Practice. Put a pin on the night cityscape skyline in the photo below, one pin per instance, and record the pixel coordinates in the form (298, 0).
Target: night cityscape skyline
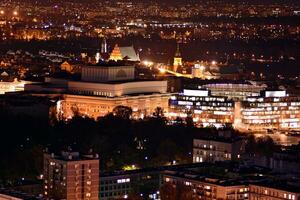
(150, 100)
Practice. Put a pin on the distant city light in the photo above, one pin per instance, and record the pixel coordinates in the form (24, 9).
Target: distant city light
(15, 13)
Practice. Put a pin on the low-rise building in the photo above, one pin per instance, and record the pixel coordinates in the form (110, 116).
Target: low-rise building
(209, 188)
(218, 148)
(274, 190)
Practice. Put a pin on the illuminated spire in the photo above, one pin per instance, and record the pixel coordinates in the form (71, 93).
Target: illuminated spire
(178, 54)
(177, 59)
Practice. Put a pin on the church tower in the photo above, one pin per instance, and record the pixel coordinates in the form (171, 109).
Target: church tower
(177, 59)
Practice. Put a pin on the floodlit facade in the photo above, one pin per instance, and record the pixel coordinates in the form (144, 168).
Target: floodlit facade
(97, 106)
(71, 177)
(206, 110)
(271, 110)
(102, 88)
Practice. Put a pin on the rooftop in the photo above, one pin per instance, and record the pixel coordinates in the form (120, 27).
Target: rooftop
(73, 156)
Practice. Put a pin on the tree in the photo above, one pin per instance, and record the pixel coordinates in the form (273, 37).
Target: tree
(168, 192)
(189, 119)
(123, 112)
(158, 112)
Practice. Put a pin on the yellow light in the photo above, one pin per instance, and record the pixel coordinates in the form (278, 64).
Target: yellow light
(2, 12)
(147, 63)
(130, 167)
(202, 68)
(15, 13)
(213, 62)
(162, 70)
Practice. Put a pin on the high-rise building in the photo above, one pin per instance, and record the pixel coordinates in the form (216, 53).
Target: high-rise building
(71, 176)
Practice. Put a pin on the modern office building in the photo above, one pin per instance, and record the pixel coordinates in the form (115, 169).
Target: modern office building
(234, 91)
(222, 147)
(274, 110)
(71, 176)
(206, 109)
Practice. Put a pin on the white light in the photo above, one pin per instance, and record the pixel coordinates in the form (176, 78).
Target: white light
(275, 94)
(197, 93)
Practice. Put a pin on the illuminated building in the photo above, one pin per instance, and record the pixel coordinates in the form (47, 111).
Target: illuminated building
(235, 91)
(116, 54)
(206, 109)
(206, 187)
(71, 67)
(223, 147)
(273, 190)
(124, 53)
(71, 176)
(102, 88)
(271, 110)
(14, 86)
(177, 59)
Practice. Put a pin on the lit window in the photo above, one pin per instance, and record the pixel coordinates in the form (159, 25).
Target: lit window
(167, 179)
(188, 183)
(88, 194)
(207, 187)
